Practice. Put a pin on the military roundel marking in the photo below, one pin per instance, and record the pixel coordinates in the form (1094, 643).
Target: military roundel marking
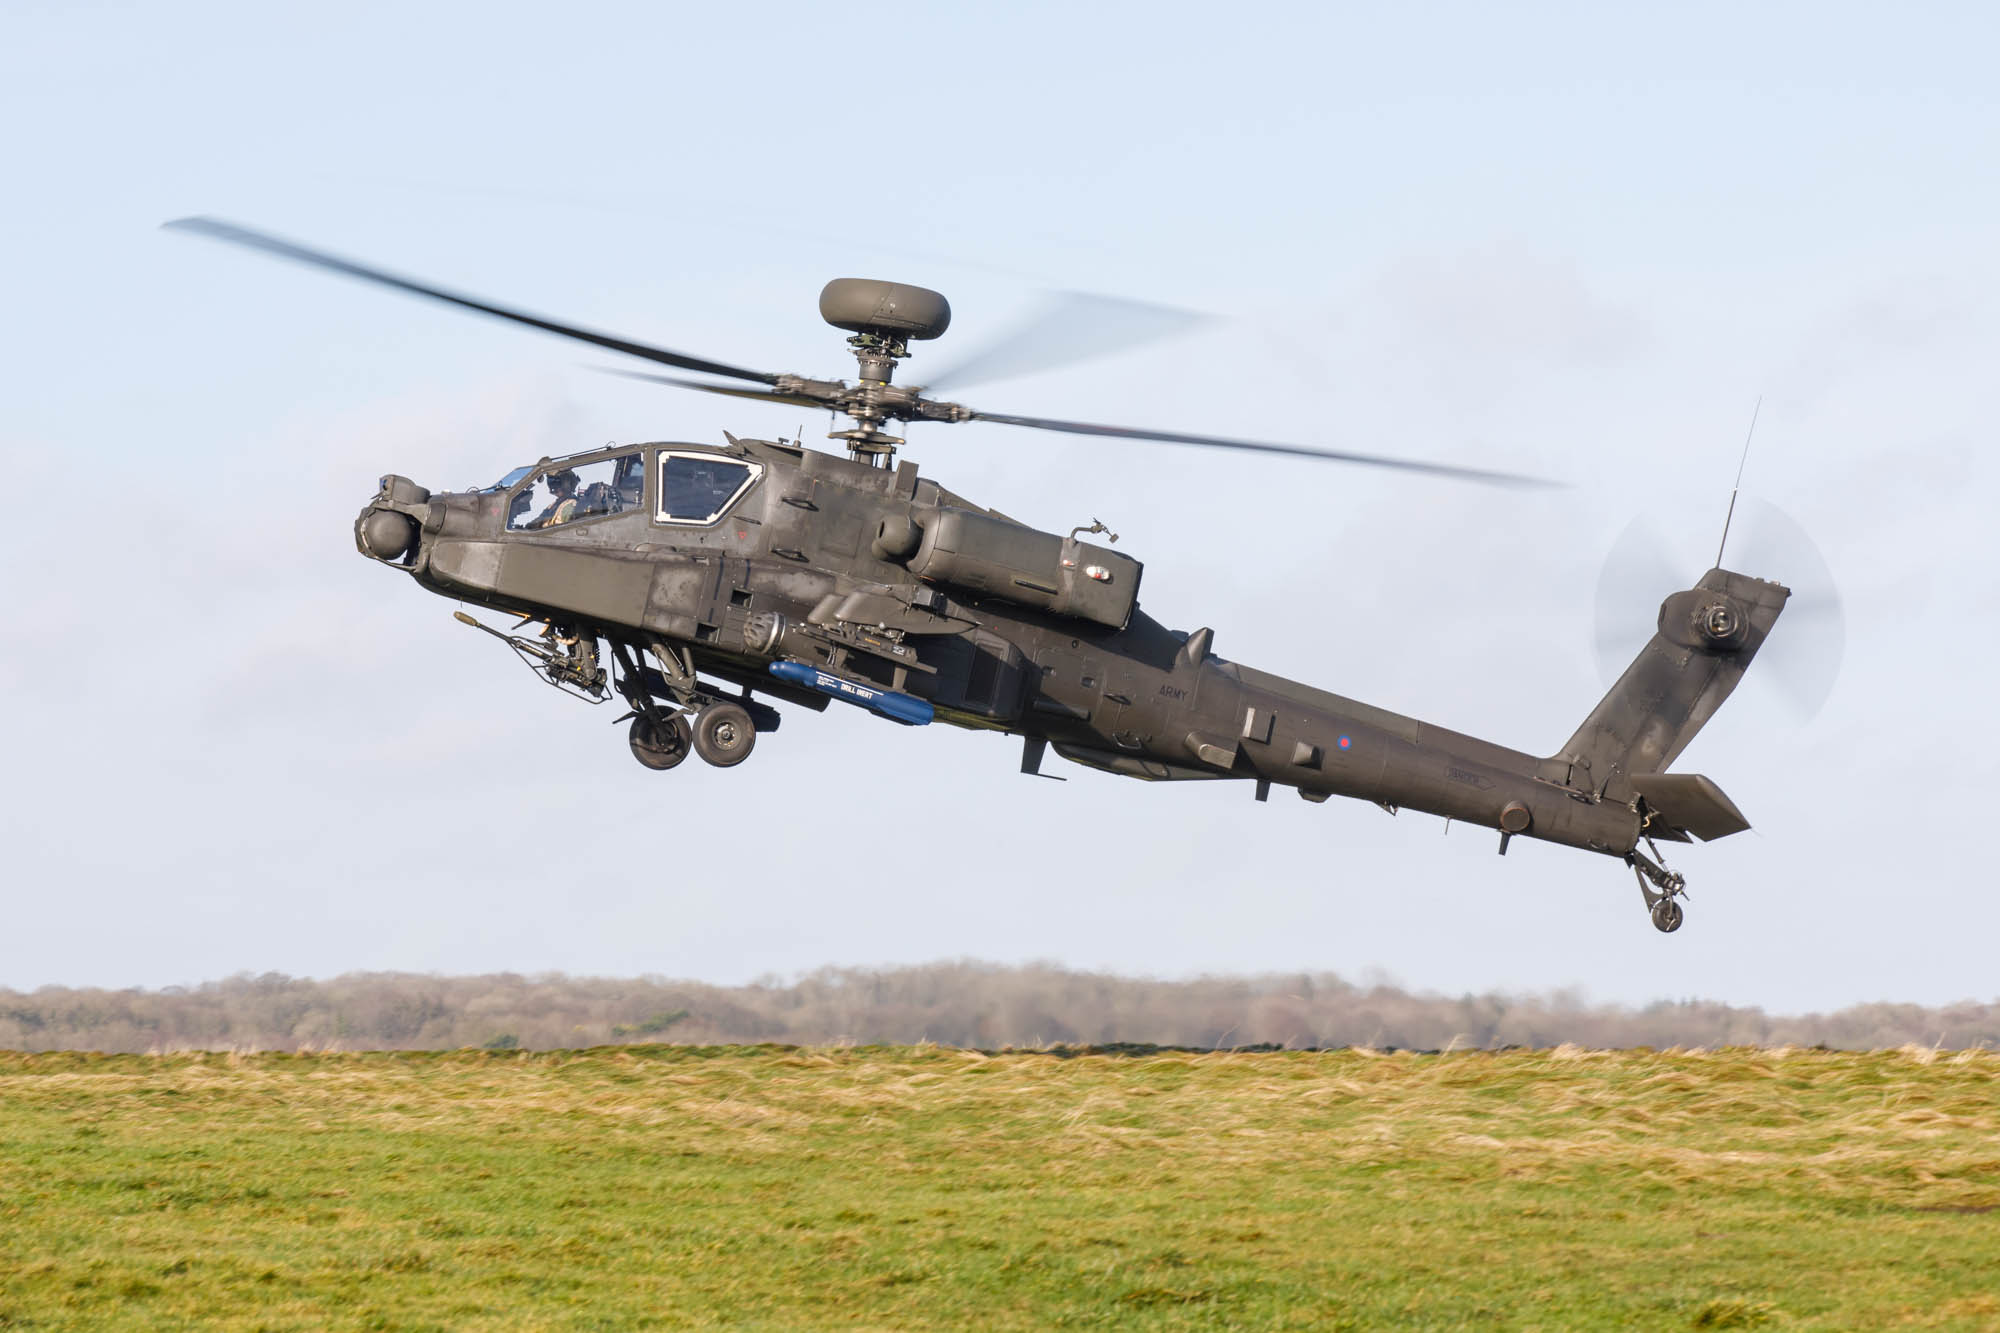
(1345, 742)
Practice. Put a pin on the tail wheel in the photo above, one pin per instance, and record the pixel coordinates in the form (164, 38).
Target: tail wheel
(724, 734)
(660, 746)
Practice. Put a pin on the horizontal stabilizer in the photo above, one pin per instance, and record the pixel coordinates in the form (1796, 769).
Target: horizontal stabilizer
(1689, 803)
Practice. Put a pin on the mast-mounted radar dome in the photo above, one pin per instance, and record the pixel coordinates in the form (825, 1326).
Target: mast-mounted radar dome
(892, 310)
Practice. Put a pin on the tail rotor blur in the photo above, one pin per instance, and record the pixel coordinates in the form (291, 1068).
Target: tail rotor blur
(1802, 659)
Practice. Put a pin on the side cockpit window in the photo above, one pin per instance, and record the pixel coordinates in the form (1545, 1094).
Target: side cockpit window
(700, 488)
(569, 494)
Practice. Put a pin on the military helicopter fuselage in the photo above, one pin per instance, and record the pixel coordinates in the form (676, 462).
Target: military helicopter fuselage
(793, 573)
(726, 581)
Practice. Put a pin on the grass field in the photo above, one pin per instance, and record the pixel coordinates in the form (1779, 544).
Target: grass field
(923, 1188)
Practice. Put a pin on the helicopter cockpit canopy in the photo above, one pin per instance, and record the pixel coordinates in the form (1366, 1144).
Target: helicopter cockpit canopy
(698, 488)
(564, 493)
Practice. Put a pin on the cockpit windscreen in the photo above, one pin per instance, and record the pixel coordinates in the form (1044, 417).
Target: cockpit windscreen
(570, 494)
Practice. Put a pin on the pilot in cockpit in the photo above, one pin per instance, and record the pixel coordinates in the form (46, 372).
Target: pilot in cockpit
(562, 501)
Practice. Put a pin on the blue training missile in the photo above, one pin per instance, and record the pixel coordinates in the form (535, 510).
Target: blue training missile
(904, 708)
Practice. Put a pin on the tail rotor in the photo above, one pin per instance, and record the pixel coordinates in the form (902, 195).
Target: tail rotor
(1802, 659)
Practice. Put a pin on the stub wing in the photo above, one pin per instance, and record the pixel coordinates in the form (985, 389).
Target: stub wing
(1688, 803)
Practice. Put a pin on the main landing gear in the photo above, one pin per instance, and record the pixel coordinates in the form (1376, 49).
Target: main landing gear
(673, 714)
(660, 741)
(723, 734)
(1663, 888)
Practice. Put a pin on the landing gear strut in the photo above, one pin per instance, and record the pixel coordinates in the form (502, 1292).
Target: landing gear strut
(1662, 888)
(674, 714)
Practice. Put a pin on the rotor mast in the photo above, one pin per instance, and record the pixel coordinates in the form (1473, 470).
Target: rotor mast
(876, 355)
(882, 318)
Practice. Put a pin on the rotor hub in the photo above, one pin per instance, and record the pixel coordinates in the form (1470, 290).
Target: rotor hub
(1722, 624)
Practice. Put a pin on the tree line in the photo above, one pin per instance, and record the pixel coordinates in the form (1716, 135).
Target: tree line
(968, 1004)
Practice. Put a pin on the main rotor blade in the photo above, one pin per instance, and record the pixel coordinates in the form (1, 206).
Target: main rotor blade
(1291, 450)
(1068, 327)
(216, 229)
(757, 395)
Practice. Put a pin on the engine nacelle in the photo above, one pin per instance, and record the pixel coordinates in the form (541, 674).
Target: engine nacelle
(993, 557)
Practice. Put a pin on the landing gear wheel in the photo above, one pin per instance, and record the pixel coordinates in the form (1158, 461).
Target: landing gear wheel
(1660, 887)
(657, 746)
(723, 734)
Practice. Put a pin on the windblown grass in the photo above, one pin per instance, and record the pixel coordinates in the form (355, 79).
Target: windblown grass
(880, 1188)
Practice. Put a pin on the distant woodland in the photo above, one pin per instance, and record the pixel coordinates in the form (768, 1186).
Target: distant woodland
(952, 1004)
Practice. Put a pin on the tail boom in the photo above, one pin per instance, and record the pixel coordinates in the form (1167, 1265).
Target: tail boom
(1605, 791)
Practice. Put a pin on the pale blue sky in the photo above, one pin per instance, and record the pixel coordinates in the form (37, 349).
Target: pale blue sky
(1560, 238)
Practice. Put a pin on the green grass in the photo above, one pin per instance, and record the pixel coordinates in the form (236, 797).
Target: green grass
(920, 1188)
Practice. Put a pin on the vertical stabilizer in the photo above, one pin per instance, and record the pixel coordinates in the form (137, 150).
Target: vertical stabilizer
(1706, 638)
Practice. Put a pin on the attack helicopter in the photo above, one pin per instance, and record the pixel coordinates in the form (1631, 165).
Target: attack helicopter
(690, 578)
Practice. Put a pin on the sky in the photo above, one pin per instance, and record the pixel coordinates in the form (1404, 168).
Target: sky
(1579, 241)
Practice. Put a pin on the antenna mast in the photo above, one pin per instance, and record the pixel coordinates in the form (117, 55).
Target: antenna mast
(1730, 517)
